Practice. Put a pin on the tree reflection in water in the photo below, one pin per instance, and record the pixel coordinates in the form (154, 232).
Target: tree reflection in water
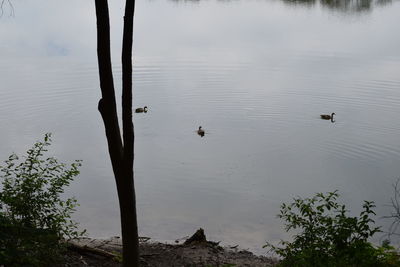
(343, 6)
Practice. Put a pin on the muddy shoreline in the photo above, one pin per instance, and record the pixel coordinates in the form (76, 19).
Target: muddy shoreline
(195, 252)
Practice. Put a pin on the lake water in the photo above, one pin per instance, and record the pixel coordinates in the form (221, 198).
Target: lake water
(255, 74)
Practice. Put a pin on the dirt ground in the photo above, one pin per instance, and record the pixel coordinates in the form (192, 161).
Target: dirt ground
(95, 252)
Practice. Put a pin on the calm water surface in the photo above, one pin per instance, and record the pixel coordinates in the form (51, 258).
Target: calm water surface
(255, 74)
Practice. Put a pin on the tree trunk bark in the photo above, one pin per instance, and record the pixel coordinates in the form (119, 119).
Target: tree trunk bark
(121, 151)
(128, 208)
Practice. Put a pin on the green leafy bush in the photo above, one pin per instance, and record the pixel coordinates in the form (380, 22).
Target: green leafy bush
(34, 219)
(327, 236)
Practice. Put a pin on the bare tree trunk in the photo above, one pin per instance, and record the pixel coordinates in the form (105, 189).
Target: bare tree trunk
(128, 208)
(121, 153)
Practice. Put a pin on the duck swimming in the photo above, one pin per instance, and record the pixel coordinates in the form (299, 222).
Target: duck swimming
(141, 110)
(200, 131)
(327, 117)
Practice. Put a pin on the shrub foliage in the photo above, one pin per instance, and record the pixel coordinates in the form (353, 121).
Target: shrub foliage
(34, 219)
(327, 236)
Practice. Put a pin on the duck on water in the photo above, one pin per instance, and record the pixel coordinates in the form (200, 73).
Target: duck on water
(200, 131)
(327, 116)
(141, 110)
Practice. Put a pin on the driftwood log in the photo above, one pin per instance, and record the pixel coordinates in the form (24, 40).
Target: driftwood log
(90, 250)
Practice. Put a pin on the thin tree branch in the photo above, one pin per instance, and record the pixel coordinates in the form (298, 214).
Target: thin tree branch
(107, 104)
(395, 213)
(127, 44)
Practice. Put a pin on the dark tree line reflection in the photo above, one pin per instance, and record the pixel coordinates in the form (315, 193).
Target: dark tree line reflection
(345, 6)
